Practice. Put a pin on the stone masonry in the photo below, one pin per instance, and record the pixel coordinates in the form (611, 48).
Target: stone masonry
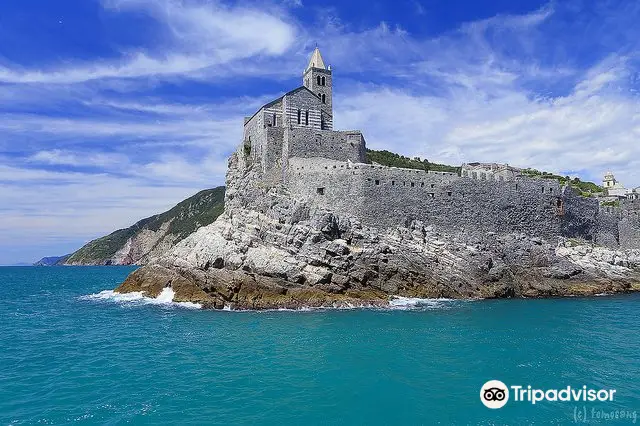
(293, 141)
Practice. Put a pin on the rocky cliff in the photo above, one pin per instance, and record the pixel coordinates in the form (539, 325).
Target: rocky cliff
(153, 236)
(272, 250)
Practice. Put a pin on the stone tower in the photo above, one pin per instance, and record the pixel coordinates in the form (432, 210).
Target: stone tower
(609, 181)
(317, 78)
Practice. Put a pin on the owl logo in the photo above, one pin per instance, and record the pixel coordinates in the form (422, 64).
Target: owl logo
(494, 394)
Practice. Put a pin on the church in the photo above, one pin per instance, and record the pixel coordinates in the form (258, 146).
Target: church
(300, 124)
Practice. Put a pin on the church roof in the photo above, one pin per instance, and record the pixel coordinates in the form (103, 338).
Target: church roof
(316, 61)
(275, 101)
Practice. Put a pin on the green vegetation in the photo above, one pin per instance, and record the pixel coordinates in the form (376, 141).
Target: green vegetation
(386, 158)
(390, 159)
(187, 216)
(587, 189)
(611, 204)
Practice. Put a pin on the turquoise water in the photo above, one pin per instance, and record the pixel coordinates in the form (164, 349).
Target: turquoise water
(66, 358)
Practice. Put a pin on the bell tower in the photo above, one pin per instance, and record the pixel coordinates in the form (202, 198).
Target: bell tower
(317, 78)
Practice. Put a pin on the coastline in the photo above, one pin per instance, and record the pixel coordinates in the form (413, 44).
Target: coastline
(270, 295)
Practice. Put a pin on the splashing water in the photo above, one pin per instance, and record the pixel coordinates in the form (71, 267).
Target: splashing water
(165, 298)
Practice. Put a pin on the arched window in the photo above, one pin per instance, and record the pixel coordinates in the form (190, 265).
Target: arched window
(275, 118)
(319, 81)
(306, 117)
(324, 99)
(324, 83)
(299, 116)
(319, 95)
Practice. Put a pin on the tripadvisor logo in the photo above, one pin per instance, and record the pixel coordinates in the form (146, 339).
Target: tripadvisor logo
(495, 394)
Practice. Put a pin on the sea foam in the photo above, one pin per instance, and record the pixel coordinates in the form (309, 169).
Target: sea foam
(165, 298)
(405, 303)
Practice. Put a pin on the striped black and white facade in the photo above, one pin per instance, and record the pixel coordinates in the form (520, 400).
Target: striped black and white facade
(300, 123)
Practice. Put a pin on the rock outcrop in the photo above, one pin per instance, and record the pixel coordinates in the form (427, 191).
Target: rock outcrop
(310, 220)
(153, 236)
(270, 250)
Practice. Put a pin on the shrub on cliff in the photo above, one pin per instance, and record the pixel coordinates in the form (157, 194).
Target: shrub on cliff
(391, 159)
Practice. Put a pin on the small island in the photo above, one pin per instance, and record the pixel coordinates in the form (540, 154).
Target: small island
(313, 219)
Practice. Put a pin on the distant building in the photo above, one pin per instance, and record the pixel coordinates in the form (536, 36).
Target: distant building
(490, 171)
(614, 188)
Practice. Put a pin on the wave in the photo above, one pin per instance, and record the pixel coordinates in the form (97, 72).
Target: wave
(165, 298)
(396, 303)
(407, 303)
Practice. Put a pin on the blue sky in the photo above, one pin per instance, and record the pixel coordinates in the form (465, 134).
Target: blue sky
(114, 110)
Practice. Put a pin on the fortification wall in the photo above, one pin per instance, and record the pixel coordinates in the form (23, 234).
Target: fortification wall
(620, 226)
(632, 206)
(608, 229)
(629, 224)
(387, 197)
(579, 216)
(629, 231)
(272, 155)
(264, 139)
(326, 144)
(255, 137)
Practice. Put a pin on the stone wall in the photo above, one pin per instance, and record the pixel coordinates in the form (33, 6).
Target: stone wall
(254, 139)
(580, 217)
(629, 224)
(387, 197)
(327, 144)
(619, 226)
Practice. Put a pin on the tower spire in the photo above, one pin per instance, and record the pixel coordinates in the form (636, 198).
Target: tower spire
(316, 60)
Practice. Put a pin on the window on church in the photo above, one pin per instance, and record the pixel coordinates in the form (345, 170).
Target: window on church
(319, 81)
(324, 81)
(299, 116)
(275, 122)
(306, 117)
(324, 99)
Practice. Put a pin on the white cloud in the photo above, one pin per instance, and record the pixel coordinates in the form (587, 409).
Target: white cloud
(70, 158)
(590, 130)
(201, 36)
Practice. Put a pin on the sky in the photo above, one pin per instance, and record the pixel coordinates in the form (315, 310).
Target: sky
(115, 110)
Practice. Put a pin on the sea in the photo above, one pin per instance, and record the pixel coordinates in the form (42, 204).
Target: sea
(74, 352)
